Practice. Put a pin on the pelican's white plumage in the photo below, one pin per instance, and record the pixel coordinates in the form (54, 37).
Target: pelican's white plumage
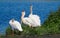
(26, 20)
(34, 18)
(15, 25)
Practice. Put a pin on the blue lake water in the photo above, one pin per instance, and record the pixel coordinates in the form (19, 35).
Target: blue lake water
(9, 10)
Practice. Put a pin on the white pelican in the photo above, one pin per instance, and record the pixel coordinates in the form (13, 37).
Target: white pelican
(26, 20)
(15, 25)
(34, 18)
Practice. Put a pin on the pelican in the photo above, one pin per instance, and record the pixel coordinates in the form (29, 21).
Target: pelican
(34, 18)
(15, 25)
(26, 20)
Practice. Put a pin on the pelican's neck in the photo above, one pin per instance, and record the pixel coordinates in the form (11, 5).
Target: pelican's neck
(30, 9)
(22, 19)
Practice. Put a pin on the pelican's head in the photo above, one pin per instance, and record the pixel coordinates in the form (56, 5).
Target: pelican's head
(12, 20)
(31, 6)
(23, 13)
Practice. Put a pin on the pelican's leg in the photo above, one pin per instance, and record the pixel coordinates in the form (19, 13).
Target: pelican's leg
(30, 25)
(12, 32)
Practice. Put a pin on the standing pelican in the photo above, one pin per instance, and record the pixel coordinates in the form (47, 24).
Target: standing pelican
(26, 20)
(15, 25)
(34, 18)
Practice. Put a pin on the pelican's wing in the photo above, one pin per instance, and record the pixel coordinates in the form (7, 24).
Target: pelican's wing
(35, 19)
(36, 16)
(12, 24)
(18, 26)
(31, 22)
(28, 21)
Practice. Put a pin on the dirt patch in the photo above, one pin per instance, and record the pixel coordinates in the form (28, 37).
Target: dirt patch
(32, 36)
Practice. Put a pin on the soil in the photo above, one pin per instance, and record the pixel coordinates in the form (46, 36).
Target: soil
(32, 36)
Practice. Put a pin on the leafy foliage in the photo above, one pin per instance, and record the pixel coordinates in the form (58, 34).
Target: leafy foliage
(53, 23)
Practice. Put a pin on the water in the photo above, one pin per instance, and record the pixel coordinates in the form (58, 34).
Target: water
(9, 10)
